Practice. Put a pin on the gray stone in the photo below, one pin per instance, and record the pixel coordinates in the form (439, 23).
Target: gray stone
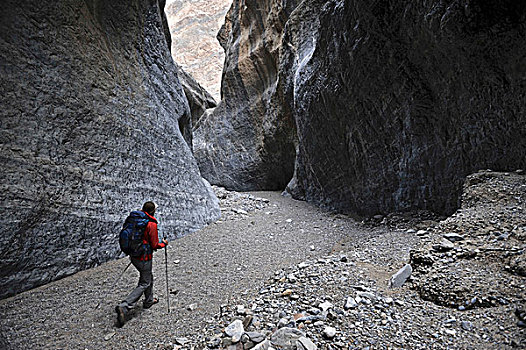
(88, 134)
(399, 278)
(444, 245)
(466, 325)
(373, 164)
(256, 337)
(367, 295)
(235, 330)
(285, 338)
(238, 144)
(304, 343)
(453, 237)
(214, 343)
(199, 100)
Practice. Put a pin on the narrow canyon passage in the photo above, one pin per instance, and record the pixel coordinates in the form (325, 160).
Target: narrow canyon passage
(223, 260)
(274, 261)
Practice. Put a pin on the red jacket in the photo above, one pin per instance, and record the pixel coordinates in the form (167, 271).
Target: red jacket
(151, 237)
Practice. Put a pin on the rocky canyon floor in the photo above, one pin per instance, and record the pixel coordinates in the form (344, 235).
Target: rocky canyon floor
(298, 277)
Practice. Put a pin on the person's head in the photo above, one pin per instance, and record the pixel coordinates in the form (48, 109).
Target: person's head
(149, 207)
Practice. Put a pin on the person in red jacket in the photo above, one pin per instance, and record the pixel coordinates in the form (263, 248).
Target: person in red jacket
(143, 264)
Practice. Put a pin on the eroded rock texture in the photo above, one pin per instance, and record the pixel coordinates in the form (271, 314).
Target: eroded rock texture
(243, 144)
(89, 132)
(394, 102)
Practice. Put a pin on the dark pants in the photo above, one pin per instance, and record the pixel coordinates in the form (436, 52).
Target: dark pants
(145, 285)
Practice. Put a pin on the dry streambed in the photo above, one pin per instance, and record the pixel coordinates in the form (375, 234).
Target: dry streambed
(299, 278)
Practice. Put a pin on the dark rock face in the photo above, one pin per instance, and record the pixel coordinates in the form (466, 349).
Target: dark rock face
(394, 102)
(89, 132)
(243, 144)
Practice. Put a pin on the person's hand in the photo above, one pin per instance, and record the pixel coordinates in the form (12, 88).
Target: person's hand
(165, 241)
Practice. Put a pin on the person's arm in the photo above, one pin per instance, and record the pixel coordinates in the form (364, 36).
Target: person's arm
(153, 236)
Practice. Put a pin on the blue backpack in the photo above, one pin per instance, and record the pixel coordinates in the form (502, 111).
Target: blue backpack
(132, 234)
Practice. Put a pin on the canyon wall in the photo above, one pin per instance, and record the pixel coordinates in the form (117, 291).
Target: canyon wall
(90, 107)
(391, 104)
(194, 25)
(243, 144)
(396, 102)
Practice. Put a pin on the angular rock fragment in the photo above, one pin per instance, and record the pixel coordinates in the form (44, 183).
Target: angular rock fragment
(399, 278)
(235, 330)
(285, 338)
(304, 343)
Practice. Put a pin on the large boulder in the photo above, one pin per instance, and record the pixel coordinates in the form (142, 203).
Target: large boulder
(393, 103)
(90, 107)
(243, 144)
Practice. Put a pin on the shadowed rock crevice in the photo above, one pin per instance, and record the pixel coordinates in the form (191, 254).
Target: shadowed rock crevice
(90, 108)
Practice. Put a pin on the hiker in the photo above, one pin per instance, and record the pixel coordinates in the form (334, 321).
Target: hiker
(143, 264)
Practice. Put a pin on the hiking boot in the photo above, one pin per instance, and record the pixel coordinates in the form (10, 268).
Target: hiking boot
(146, 305)
(120, 316)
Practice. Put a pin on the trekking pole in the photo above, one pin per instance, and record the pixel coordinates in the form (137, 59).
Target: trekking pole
(116, 281)
(167, 290)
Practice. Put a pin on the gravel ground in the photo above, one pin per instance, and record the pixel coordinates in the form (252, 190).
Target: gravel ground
(276, 263)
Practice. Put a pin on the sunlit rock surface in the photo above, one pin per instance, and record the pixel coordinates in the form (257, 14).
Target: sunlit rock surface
(90, 108)
(194, 26)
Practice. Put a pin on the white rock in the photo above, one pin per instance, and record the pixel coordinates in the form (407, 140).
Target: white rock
(181, 340)
(451, 332)
(329, 332)
(303, 265)
(325, 306)
(240, 309)
(235, 330)
(350, 303)
(262, 346)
